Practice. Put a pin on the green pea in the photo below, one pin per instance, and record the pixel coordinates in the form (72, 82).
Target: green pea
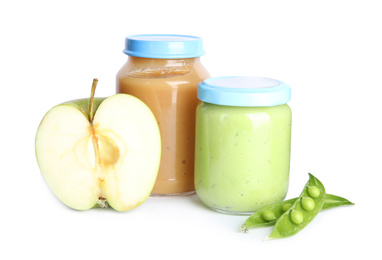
(269, 215)
(314, 191)
(287, 206)
(286, 223)
(296, 216)
(307, 203)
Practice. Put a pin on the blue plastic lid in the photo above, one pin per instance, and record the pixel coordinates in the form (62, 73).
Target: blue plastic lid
(244, 91)
(163, 46)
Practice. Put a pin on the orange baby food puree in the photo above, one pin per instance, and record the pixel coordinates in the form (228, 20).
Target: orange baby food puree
(168, 87)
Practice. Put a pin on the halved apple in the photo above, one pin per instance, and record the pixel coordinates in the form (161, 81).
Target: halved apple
(100, 151)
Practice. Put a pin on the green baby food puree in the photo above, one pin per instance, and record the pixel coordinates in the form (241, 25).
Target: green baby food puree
(242, 153)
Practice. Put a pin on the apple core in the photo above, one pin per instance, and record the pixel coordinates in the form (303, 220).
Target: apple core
(105, 148)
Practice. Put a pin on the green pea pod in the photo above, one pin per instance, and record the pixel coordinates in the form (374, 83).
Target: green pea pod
(332, 201)
(303, 210)
(256, 220)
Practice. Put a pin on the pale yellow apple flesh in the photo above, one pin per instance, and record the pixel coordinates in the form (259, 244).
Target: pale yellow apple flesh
(115, 157)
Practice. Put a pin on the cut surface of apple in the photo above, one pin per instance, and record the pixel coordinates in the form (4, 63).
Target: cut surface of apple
(112, 154)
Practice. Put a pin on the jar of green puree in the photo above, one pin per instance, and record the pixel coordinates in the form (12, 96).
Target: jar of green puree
(243, 143)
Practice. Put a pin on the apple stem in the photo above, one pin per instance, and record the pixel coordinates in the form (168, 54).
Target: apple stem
(94, 85)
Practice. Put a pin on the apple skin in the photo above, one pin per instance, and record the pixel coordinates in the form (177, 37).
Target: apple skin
(121, 174)
(83, 105)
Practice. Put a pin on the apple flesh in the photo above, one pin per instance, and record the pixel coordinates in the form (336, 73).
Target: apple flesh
(107, 157)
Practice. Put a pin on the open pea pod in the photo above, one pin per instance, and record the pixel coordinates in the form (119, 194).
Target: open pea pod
(259, 218)
(302, 212)
(333, 201)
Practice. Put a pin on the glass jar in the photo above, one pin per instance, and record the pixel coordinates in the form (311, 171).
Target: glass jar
(243, 143)
(163, 71)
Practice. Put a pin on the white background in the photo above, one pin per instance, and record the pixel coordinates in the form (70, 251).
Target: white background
(330, 52)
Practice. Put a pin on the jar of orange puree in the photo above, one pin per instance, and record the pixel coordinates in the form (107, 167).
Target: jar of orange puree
(163, 71)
